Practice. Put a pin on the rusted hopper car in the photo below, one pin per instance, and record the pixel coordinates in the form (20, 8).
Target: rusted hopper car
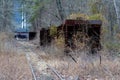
(89, 28)
(45, 37)
(94, 30)
(23, 34)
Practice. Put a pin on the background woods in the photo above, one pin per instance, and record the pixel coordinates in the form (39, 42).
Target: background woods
(68, 31)
(44, 13)
(6, 15)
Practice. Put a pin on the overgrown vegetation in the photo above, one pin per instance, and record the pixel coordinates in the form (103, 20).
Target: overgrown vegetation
(6, 15)
(44, 13)
(53, 31)
(14, 67)
(87, 66)
(78, 15)
(13, 64)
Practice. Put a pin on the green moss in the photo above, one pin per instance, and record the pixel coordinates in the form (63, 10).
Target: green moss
(96, 17)
(53, 30)
(78, 16)
(112, 45)
(96, 7)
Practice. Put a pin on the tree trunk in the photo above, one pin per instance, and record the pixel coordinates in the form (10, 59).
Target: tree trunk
(60, 10)
(117, 13)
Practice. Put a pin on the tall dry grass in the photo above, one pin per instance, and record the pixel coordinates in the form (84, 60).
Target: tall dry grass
(14, 67)
(100, 66)
(6, 42)
(13, 64)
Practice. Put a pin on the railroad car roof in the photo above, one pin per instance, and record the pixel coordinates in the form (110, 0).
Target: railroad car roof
(98, 22)
(74, 22)
(22, 30)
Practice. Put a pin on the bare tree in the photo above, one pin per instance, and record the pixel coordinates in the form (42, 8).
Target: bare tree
(117, 13)
(6, 15)
(60, 9)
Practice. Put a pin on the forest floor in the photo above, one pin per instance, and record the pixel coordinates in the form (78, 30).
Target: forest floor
(50, 63)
